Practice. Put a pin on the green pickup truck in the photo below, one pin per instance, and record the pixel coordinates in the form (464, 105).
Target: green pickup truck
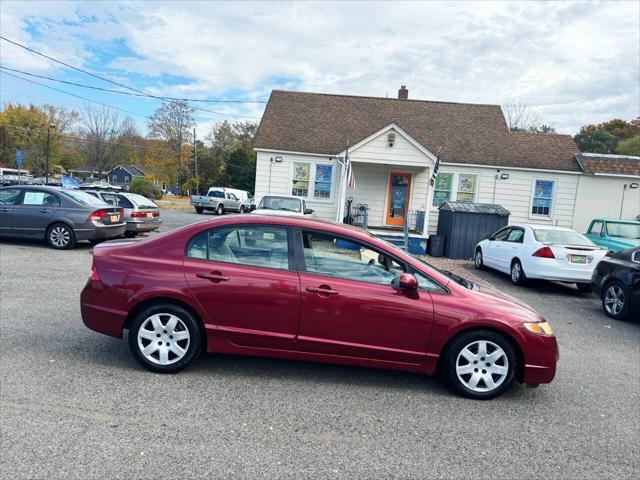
(615, 235)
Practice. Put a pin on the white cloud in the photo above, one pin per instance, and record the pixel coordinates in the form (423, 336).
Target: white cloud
(576, 63)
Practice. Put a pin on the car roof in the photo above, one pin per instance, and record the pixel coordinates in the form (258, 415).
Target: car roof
(535, 226)
(615, 220)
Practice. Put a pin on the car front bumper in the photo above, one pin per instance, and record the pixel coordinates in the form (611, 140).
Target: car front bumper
(540, 359)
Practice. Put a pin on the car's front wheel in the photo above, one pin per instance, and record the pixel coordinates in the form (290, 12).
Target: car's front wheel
(243, 209)
(480, 364)
(478, 260)
(517, 273)
(60, 236)
(615, 300)
(164, 338)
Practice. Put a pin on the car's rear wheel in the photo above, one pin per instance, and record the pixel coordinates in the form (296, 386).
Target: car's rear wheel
(164, 338)
(199, 210)
(478, 260)
(480, 364)
(61, 236)
(518, 276)
(220, 210)
(615, 300)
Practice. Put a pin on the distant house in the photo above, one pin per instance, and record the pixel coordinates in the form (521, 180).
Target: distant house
(122, 175)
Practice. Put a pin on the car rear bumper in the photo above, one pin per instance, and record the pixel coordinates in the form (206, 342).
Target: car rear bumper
(99, 232)
(99, 318)
(549, 269)
(540, 359)
(134, 226)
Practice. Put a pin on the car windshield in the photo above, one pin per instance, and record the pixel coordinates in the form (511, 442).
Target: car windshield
(280, 203)
(142, 202)
(626, 230)
(548, 235)
(83, 197)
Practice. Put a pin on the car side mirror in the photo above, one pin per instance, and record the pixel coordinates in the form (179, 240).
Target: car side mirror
(308, 211)
(408, 282)
(488, 237)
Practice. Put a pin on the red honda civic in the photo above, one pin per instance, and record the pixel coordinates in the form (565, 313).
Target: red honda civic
(304, 289)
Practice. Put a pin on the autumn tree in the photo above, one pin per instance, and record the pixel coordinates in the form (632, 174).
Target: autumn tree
(605, 137)
(172, 123)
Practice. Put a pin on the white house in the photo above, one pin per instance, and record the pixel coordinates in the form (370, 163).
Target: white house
(393, 145)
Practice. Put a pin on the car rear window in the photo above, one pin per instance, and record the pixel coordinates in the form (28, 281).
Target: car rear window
(141, 201)
(547, 235)
(83, 197)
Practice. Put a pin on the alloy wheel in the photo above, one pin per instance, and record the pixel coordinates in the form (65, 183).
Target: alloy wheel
(516, 272)
(163, 339)
(482, 366)
(614, 300)
(60, 236)
(478, 259)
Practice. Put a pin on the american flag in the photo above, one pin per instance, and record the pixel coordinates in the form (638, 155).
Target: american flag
(436, 167)
(351, 177)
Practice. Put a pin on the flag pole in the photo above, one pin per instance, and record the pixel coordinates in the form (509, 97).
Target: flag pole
(343, 186)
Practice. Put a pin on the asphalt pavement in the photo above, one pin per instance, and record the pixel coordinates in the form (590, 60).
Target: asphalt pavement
(74, 404)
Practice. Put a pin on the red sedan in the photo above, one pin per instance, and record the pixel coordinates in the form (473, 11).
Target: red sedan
(309, 290)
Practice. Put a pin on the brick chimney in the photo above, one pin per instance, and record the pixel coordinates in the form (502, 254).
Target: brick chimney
(403, 93)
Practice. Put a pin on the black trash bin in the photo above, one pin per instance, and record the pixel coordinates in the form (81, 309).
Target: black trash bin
(436, 245)
(464, 224)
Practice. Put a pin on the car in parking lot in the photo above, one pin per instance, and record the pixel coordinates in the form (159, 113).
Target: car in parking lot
(141, 214)
(614, 235)
(221, 200)
(283, 205)
(616, 281)
(60, 216)
(540, 252)
(282, 286)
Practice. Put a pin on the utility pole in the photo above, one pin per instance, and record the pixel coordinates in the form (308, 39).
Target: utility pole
(46, 174)
(195, 153)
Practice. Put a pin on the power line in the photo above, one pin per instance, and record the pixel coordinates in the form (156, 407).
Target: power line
(74, 95)
(139, 92)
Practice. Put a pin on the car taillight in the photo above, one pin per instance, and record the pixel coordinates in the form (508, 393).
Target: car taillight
(94, 272)
(97, 215)
(544, 252)
(156, 213)
(138, 214)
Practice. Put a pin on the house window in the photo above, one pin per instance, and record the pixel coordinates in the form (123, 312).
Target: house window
(114, 179)
(542, 198)
(322, 184)
(300, 179)
(466, 188)
(442, 188)
(126, 179)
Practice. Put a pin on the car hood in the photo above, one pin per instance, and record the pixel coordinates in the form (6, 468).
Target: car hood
(266, 211)
(503, 303)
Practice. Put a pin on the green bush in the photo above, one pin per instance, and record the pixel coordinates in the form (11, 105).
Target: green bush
(141, 186)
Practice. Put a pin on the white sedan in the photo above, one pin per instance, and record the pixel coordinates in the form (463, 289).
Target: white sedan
(542, 252)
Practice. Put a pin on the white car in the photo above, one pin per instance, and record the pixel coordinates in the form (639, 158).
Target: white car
(283, 205)
(541, 252)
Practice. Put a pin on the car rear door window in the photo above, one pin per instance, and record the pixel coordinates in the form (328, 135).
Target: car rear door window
(38, 198)
(259, 246)
(330, 255)
(516, 235)
(9, 196)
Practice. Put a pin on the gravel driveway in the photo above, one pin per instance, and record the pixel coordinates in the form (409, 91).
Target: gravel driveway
(74, 404)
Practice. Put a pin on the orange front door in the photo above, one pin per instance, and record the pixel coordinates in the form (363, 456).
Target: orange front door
(398, 202)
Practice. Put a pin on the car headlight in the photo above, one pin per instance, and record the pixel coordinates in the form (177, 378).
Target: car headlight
(539, 328)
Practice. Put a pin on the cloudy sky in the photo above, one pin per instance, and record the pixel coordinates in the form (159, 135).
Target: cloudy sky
(573, 62)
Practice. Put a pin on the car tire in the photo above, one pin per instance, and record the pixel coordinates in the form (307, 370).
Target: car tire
(478, 259)
(243, 209)
(615, 300)
(484, 379)
(60, 236)
(518, 276)
(584, 287)
(220, 210)
(130, 234)
(199, 210)
(153, 333)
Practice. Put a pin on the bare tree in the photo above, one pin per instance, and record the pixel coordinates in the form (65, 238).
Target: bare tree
(520, 117)
(61, 117)
(99, 129)
(172, 122)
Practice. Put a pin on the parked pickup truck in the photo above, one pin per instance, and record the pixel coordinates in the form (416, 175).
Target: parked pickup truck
(615, 235)
(283, 205)
(220, 200)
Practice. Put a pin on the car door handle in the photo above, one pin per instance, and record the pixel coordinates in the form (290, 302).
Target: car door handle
(213, 277)
(325, 290)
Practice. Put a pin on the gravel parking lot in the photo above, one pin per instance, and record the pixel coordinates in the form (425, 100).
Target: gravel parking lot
(74, 404)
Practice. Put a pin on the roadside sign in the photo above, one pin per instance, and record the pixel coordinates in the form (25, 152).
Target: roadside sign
(18, 157)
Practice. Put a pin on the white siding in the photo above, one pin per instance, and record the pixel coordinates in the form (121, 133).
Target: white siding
(515, 194)
(403, 152)
(600, 196)
(275, 178)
